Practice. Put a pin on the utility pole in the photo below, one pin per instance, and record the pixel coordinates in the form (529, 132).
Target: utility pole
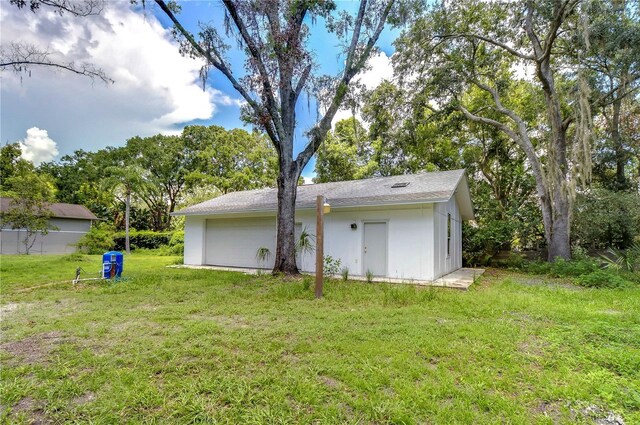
(319, 244)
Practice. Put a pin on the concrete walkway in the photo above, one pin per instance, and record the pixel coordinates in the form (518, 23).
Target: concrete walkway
(460, 279)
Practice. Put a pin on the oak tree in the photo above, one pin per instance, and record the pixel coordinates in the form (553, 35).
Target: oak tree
(274, 35)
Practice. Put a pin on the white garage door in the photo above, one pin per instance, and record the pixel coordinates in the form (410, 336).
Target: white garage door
(234, 243)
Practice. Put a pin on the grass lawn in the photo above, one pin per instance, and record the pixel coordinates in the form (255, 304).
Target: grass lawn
(195, 346)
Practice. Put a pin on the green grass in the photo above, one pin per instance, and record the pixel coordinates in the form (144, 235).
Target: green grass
(194, 346)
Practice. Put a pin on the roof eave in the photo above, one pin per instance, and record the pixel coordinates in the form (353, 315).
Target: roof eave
(466, 207)
(308, 208)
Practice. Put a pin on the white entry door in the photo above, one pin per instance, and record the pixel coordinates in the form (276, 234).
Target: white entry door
(375, 248)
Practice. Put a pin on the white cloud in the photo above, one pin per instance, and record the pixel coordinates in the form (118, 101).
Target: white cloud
(157, 90)
(38, 147)
(379, 69)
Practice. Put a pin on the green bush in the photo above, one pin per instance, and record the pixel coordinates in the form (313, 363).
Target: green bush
(537, 267)
(514, 261)
(332, 265)
(604, 219)
(562, 268)
(98, 240)
(602, 279)
(146, 239)
(176, 243)
(572, 268)
(480, 244)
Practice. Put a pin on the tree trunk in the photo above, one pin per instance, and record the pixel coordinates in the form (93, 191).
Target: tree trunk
(126, 223)
(618, 147)
(285, 258)
(559, 242)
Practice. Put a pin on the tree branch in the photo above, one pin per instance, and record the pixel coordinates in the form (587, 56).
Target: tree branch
(219, 65)
(490, 41)
(559, 16)
(75, 7)
(20, 56)
(269, 98)
(319, 132)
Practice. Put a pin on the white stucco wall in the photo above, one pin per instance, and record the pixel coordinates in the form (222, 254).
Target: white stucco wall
(409, 240)
(444, 263)
(194, 243)
(410, 233)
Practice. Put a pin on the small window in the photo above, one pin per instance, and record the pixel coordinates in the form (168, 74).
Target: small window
(448, 234)
(401, 184)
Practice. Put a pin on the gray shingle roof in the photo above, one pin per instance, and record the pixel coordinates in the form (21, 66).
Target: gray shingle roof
(58, 210)
(423, 187)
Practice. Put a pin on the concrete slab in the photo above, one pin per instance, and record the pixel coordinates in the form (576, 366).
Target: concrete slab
(459, 279)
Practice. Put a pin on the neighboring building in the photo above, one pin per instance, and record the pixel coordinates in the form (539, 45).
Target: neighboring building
(402, 227)
(71, 222)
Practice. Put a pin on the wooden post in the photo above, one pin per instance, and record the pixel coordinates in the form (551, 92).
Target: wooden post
(319, 244)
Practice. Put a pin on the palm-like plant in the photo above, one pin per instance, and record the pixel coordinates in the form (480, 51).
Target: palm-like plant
(627, 260)
(127, 180)
(305, 243)
(262, 255)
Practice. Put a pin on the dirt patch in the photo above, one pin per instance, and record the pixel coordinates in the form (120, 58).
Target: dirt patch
(551, 410)
(36, 348)
(539, 281)
(8, 309)
(83, 399)
(533, 346)
(329, 381)
(431, 361)
(32, 409)
(233, 322)
(137, 326)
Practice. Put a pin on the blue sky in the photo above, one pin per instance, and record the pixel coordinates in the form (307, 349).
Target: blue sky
(326, 46)
(156, 90)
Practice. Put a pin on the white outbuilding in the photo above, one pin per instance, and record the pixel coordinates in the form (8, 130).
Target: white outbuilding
(400, 227)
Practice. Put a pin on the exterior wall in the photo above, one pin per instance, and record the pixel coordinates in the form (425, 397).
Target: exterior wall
(60, 241)
(71, 224)
(194, 240)
(409, 240)
(416, 239)
(444, 263)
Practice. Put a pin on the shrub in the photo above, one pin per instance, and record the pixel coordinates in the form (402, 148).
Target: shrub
(627, 260)
(537, 267)
(602, 279)
(331, 265)
(262, 255)
(98, 240)
(513, 261)
(604, 218)
(146, 239)
(574, 268)
(562, 268)
(176, 243)
(480, 244)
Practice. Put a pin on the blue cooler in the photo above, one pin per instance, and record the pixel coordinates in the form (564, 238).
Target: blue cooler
(112, 264)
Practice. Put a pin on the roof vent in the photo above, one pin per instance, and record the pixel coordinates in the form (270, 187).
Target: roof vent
(401, 184)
